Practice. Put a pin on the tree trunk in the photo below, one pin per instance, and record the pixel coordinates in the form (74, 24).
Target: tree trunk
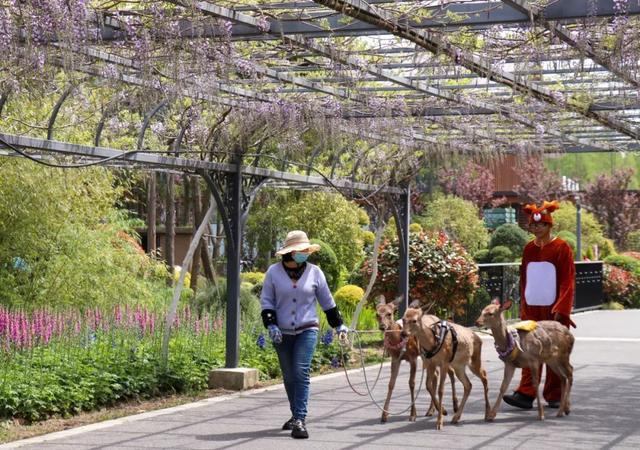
(205, 256)
(217, 240)
(187, 203)
(374, 271)
(170, 225)
(195, 268)
(178, 289)
(151, 215)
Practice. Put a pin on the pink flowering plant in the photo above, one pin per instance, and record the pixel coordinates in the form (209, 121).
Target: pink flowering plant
(61, 362)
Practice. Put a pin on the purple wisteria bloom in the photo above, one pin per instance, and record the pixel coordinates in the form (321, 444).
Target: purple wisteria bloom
(335, 362)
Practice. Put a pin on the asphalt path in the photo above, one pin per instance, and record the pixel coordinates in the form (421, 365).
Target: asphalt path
(605, 409)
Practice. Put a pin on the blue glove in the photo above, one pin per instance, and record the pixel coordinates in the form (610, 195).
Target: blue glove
(275, 334)
(341, 331)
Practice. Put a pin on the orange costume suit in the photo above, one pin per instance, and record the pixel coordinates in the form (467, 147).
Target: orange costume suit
(547, 277)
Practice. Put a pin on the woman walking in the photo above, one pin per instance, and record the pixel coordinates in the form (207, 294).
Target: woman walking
(289, 294)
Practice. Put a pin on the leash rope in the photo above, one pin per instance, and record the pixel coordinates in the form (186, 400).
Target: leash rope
(366, 382)
(344, 366)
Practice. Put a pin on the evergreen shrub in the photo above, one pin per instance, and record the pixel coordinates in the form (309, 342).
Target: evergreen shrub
(509, 235)
(500, 254)
(326, 259)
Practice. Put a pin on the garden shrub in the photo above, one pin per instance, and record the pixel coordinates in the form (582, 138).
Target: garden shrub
(326, 259)
(588, 254)
(347, 298)
(349, 295)
(356, 276)
(479, 300)
(252, 277)
(570, 239)
(63, 242)
(624, 262)
(635, 255)
(633, 241)
(176, 275)
(254, 281)
(368, 237)
(330, 218)
(442, 273)
(614, 306)
(415, 228)
(509, 235)
(500, 254)
(363, 217)
(620, 285)
(564, 219)
(482, 256)
(606, 248)
(213, 299)
(458, 218)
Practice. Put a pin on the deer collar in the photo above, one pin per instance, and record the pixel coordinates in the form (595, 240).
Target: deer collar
(513, 346)
(394, 346)
(443, 328)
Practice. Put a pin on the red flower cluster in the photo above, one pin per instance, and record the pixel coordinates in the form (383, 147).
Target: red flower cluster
(441, 273)
(619, 285)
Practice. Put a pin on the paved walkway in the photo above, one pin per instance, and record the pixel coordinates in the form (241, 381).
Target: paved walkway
(606, 412)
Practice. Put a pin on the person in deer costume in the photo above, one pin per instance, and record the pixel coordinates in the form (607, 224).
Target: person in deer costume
(547, 285)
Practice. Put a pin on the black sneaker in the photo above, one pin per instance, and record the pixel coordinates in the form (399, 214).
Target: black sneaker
(288, 425)
(519, 400)
(554, 404)
(299, 430)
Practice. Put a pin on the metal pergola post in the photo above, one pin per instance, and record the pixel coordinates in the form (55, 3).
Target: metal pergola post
(578, 255)
(403, 215)
(233, 250)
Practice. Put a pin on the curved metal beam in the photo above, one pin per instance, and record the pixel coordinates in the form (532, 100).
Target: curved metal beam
(56, 109)
(336, 161)
(109, 112)
(147, 119)
(3, 100)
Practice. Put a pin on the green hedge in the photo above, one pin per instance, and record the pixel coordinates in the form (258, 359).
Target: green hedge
(624, 262)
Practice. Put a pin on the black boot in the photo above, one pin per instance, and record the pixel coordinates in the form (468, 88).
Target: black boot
(299, 430)
(519, 400)
(288, 425)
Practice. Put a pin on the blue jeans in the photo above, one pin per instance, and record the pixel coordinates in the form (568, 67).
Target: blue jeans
(295, 353)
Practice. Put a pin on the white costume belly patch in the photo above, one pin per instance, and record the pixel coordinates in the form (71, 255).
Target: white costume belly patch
(541, 284)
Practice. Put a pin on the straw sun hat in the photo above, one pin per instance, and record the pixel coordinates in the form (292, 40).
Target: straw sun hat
(297, 241)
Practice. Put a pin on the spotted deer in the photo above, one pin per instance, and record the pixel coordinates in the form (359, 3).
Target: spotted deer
(401, 349)
(447, 346)
(550, 343)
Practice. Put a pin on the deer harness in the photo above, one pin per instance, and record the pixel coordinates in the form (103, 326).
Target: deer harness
(444, 327)
(513, 349)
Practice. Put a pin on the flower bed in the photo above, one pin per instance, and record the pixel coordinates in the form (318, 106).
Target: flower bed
(59, 363)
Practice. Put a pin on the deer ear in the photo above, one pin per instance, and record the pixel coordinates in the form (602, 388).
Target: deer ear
(382, 300)
(415, 304)
(495, 301)
(506, 305)
(399, 299)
